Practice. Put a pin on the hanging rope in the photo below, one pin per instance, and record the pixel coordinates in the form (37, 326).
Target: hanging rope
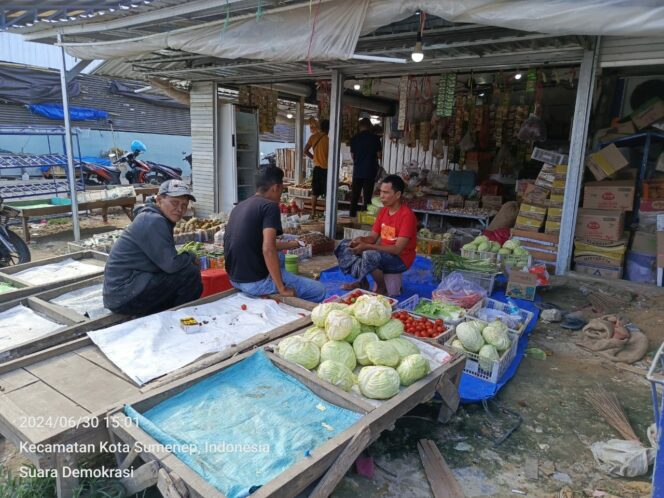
(228, 16)
(259, 11)
(311, 38)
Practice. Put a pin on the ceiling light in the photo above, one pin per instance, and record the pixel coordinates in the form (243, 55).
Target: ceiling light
(289, 115)
(517, 76)
(482, 94)
(124, 7)
(417, 54)
(356, 86)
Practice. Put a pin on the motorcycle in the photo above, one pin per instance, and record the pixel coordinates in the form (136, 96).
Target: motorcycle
(13, 250)
(146, 172)
(98, 174)
(159, 173)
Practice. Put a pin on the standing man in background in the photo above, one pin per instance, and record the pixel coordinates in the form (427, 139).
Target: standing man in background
(365, 148)
(320, 143)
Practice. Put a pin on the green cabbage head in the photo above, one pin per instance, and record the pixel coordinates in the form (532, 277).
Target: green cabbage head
(302, 352)
(403, 346)
(488, 355)
(339, 325)
(391, 330)
(339, 351)
(412, 368)
(360, 347)
(456, 343)
(382, 353)
(316, 335)
(378, 382)
(287, 341)
(496, 334)
(320, 312)
(470, 335)
(337, 374)
(372, 310)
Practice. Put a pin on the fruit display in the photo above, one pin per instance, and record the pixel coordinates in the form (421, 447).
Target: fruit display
(421, 326)
(194, 224)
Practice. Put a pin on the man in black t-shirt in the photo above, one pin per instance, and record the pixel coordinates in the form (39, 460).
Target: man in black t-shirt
(365, 147)
(251, 247)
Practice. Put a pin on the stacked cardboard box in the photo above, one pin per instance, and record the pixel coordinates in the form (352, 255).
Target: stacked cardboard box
(542, 247)
(554, 213)
(600, 245)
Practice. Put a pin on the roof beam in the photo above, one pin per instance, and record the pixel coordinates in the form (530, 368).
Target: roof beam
(76, 70)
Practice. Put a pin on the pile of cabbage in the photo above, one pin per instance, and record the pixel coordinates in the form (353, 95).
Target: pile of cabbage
(487, 341)
(358, 347)
(511, 247)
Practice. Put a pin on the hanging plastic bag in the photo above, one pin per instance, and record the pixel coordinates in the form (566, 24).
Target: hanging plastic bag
(455, 289)
(533, 129)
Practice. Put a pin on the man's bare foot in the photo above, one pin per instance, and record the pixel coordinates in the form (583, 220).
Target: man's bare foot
(359, 284)
(381, 290)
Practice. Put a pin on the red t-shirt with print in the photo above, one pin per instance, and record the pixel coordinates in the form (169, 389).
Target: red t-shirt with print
(403, 223)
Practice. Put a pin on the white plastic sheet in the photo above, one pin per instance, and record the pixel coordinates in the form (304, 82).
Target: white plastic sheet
(623, 458)
(53, 272)
(88, 301)
(21, 324)
(152, 346)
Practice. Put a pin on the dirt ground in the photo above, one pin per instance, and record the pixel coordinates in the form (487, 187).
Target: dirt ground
(558, 424)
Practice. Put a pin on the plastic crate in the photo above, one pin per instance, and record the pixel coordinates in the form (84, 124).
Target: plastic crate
(498, 368)
(484, 280)
(299, 192)
(480, 255)
(351, 233)
(411, 303)
(515, 261)
(431, 246)
(393, 302)
(365, 218)
(442, 338)
(525, 316)
(302, 253)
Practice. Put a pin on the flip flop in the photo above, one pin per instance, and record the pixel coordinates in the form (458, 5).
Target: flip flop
(543, 305)
(572, 323)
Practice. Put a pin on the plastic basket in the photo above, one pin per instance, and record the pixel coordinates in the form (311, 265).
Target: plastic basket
(484, 280)
(515, 261)
(498, 368)
(351, 233)
(393, 302)
(302, 253)
(525, 316)
(411, 303)
(431, 246)
(442, 338)
(480, 255)
(299, 192)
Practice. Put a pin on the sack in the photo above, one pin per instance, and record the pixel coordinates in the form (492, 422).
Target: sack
(455, 289)
(623, 458)
(506, 217)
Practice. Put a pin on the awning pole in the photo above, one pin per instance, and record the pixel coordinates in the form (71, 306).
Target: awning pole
(298, 176)
(577, 154)
(71, 173)
(334, 154)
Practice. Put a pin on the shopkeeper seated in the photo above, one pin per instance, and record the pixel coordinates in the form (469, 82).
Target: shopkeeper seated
(391, 246)
(144, 273)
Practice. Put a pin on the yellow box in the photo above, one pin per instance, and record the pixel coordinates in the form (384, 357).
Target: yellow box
(530, 208)
(556, 200)
(559, 184)
(552, 227)
(529, 222)
(561, 169)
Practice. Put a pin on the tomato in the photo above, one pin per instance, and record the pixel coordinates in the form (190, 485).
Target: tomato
(243, 307)
(439, 322)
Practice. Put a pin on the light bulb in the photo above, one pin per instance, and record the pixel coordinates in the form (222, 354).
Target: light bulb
(356, 86)
(517, 76)
(417, 54)
(289, 115)
(482, 94)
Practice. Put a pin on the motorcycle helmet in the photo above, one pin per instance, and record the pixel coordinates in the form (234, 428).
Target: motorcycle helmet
(138, 146)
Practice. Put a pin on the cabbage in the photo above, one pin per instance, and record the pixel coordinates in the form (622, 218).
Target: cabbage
(504, 251)
(377, 202)
(379, 382)
(511, 244)
(320, 312)
(520, 251)
(484, 247)
(372, 310)
(469, 333)
(287, 341)
(480, 239)
(456, 343)
(496, 334)
(360, 345)
(412, 368)
(488, 355)
(495, 246)
(403, 346)
(392, 329)
(469, 247)
(382, 353)
(339, 325)
(337, 374)
(302, 352)
(339, 351)
(316, 335)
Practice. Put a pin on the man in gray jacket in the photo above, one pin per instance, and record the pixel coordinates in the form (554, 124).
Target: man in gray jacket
(144, 274)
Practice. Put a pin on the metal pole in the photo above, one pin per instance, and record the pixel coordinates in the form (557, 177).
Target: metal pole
(577, 154)
(299, 142)
(71, 173)
(334, 154)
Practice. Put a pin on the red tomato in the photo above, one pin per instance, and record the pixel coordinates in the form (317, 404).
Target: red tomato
(439, 322)
(243, 307)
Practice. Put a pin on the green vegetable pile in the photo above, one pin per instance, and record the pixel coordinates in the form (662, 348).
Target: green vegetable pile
(358, 348)
(450, 262)
(511, 251)
(486, 341)
(196, 248)
(435, 309)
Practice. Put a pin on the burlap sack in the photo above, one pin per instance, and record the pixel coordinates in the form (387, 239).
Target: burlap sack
(601, 336)
(506, 217)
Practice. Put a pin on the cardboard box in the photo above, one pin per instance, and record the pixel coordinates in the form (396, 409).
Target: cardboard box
(597, 260)
(552, 227)
(532, 211)
(598, 224)
(648, 113)
(556, 200)
(653, 189)
(609, 195)
(539, 238)
(548, 156)
(554, 214)
(644, 242)
(522, 285)
(620, 131)
(537, 195)
(529, 223)
(492, 202)
(606, 162)
(599, 271)
(651, 205)
(561, 169)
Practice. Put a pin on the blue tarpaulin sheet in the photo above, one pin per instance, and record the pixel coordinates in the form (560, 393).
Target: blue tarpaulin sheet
(418, 280)
(275, 421)
(658, 472)
(55, 111)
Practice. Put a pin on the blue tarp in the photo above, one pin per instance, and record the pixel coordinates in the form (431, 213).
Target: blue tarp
(418, 280)
(55, 111)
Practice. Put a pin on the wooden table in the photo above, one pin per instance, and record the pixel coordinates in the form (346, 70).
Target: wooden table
(146, 190)
(61, 395)
(26, 212)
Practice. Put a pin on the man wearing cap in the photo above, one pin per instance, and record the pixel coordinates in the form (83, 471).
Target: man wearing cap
(144, 273)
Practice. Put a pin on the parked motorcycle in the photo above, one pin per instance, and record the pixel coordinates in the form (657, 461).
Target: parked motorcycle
(140, 171)
(98, 174)
(159, 173)
(13, 250)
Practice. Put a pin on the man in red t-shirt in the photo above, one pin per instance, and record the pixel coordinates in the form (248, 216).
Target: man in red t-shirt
(391, 246)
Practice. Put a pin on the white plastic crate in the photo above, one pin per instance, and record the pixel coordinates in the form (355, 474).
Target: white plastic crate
(484, 280)
(299, 192)
(351, 233)
(498, 368)
(302, 253)
(411, 303)
(439, 339)
(515, 261)
(480, 255)
(525, 316)
(393, 302)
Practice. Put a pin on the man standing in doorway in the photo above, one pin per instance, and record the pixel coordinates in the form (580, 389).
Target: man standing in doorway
(365, 148)
(251, 247)
(320, 143)
(390, 248)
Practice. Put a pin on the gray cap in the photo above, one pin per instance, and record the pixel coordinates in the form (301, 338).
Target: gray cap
(176, 188)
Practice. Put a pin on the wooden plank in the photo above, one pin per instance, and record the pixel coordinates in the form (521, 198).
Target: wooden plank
(29, 359)
(441, 479)
(143, 477)
(93, 353)
(55, 312)
(65, 486)
(16, 379)
(82, 381)
(166, 485)
(341, 465)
